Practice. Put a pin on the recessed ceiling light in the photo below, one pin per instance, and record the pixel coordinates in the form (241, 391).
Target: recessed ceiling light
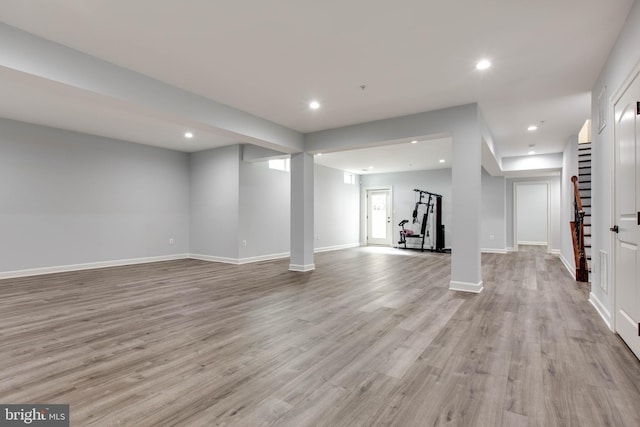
(532, 128)
(414, 142)
(441, 160)
(188, 135)
(483, 65)
(531, 152)
(370, 167)
(314, 105)
(319, 154)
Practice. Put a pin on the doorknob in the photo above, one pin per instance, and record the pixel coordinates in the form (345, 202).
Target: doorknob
(615, 229)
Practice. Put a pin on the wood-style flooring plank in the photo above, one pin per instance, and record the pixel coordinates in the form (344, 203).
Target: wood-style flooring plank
(373, 336)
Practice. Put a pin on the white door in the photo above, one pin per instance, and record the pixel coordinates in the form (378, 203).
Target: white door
(532, 212)
(627, 217)
(379, 217)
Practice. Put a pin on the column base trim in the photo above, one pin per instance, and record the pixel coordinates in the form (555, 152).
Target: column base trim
(302, 268)
(475, 288)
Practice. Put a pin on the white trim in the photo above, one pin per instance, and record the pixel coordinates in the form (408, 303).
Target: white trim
(494, 251)
(133, 261)
(556, 252)
(602, 311)
(570, 269)
(239, 261)
(612, 190)
(214, 259)
(268, 257)
(301, 268)
(259, 258)
(466, 286)
(623, 87)
(533, 243)
(511, 249)
(337, 247)
(366, 213)
(612, 101)
(88, 266)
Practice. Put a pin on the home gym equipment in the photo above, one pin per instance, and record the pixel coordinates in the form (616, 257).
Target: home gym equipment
(434, 229)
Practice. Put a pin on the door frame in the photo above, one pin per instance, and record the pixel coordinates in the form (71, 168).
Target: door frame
(516, 184)
(365, 214)
(610, 118)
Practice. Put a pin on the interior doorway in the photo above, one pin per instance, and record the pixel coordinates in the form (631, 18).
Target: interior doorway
(531, 214)
(379, 216)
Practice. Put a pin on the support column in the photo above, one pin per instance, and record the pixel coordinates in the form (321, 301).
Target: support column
(466, 272)
(302, 224)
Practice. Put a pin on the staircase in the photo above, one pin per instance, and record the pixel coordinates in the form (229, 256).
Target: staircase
(584, 187)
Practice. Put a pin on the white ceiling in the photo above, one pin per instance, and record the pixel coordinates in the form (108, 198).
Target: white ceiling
(42, 101)
(271, 58)
(398, 157)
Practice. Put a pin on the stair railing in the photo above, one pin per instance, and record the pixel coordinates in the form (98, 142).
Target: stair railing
(577, 232)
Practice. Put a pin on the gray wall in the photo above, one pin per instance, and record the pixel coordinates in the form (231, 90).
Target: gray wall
(265, 198)
(623, 57)
(336, 209)
(493, 212)
(554, 206)
(404, 198)
(234, 201)
(70, 198)
(215, 202)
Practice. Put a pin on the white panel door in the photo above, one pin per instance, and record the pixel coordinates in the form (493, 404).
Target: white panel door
(379, 217)
(532, 211)
(627, 217)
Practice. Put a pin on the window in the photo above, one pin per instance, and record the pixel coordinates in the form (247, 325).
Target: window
(349, 178)
(279, 164)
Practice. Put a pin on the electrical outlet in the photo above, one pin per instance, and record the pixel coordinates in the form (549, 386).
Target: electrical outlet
(244, 243)
(317, 237)
(171, 241)
(492, 237)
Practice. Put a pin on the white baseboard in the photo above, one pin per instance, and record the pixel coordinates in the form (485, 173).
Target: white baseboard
(570, 269)
(555, 252)
(466, 286)
(337, 247)
(600, 308)
(132, 261)
(533, 243)
(88, 266)
(263, 258)
(302, 268)
(214, 258)
(238, 261)
(510, 249)
(267, 257)
(493, 251)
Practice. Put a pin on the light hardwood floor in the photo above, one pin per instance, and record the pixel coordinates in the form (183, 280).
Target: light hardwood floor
(371, 337)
